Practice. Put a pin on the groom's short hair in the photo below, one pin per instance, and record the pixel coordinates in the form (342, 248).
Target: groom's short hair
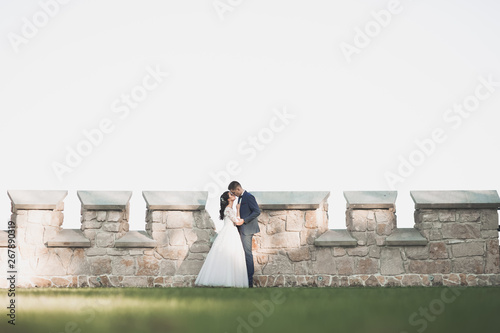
(233, 185)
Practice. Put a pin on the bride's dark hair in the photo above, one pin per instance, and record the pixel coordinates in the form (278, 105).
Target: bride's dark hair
(223, 204)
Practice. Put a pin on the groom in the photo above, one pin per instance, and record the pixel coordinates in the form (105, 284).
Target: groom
(249, 210)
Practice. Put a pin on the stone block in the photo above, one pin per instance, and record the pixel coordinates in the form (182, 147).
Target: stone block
(40, 282)
(299, 254)
(430, 267)
(93, 224)
(117, 252)
(147, 265)
(302, 268)
(469, 265)
(311, 220)
(281, 240)
(339, 252)
(430, 216)
(111, 226)
(42, 217)
(345, 265)
(79, 264)
(123, 265)
(366, 266)
(492, 260)
(190, 267)
(417, 252)
(134, 281)
(64, 255)
(371, 224)
(411, 281)
(489, 219)
(374, 251)
(158, 227)
(158, 216)
(372, 281)
(391, 262)
(101, 215)
(446, 216)
(384, 228)
(173, 252)
(50, 264)
(89, 215)
(361, 237)
(191, 236)
(264, 217)
(384, 216)
(100, 265)
(468, 215)
(276, 225)
(437, 250)
(308, 236)
(176, 237)
(468, 249)
(33, 235)
(295, 220)
(114, 215)
(324, 263)
(489, 234)
(278, 264)
(168, 267)
(200, 247)
(461, 231)
(105, 239)
(180, 219)
(358, 220)
(359, 251)
(96, 251)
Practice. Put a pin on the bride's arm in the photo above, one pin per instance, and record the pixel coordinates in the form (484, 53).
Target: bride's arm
(234, 219)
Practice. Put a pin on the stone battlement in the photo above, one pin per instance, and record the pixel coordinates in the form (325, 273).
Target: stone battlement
(454, 240)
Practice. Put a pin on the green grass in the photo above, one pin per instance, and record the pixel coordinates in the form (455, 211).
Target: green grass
(222, 310)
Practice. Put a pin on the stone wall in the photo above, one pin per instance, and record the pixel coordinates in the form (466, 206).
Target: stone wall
(168, 253)
(448, 246)
(454, 241)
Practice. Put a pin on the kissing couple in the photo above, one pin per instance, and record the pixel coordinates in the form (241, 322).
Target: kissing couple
(229, 262)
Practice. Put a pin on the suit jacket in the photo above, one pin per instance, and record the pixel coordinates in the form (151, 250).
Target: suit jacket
(249, 210)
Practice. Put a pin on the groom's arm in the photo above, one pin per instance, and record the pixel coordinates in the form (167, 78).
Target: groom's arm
(254, 209)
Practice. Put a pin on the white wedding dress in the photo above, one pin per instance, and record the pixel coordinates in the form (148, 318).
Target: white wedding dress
(225, 264)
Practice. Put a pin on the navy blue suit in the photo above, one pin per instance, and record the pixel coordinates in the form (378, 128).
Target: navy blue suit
(249, 210)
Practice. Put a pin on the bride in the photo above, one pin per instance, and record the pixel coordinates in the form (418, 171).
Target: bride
(225, 264)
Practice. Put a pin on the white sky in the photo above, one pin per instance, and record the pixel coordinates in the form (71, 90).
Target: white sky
(352, 120)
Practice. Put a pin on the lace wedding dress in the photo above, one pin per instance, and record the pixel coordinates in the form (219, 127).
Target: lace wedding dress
(225, 264)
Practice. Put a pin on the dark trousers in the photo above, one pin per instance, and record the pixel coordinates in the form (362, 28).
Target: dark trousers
(246, 240)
